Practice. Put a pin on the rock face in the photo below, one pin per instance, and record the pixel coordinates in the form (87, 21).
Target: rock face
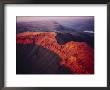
(78, 57)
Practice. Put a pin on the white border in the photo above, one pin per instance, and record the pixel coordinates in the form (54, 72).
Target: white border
(96, 80)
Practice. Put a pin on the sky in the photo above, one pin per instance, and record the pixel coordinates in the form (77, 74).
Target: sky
(56, 18)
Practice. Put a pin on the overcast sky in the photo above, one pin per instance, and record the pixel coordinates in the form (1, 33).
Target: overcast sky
(56, 18)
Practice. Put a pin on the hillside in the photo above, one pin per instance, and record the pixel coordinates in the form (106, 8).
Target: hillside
(76, 56)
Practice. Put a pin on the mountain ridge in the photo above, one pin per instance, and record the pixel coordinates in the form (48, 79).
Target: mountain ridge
(77, 56)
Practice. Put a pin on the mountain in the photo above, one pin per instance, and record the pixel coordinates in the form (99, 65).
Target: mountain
(77, 31)
(55, 26)
(52, 53)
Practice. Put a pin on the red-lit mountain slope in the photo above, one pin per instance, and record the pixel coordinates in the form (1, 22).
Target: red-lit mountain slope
(77, 56)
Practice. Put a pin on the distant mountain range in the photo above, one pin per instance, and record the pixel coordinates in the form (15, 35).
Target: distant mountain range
(55, 26)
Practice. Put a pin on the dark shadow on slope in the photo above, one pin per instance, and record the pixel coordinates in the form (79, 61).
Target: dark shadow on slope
(34, 59)
(63, 38)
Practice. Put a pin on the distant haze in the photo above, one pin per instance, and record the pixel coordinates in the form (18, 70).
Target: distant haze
(55, 18)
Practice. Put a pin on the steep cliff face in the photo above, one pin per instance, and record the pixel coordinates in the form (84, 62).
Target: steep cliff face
(77, 56)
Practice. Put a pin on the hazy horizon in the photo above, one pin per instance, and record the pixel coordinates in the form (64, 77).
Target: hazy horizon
(54, 18)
